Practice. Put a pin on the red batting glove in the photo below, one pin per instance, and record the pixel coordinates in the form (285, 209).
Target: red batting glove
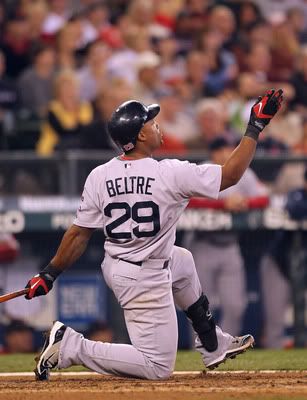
(39, 285)
(263, 111)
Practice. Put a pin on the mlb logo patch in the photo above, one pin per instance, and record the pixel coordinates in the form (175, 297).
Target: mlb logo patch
(128, 165)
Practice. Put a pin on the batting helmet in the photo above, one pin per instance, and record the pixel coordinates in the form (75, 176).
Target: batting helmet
(127, 121)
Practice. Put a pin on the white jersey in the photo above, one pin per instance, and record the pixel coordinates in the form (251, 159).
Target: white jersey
(138, 203)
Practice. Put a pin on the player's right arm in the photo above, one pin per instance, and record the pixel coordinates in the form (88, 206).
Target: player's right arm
(261, 114)
(72, 246)
(74, 242)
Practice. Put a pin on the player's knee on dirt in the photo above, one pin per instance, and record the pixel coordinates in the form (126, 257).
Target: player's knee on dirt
(161, 373)
(203, 323)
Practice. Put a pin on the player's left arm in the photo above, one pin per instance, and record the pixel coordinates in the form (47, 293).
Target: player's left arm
(261, 114)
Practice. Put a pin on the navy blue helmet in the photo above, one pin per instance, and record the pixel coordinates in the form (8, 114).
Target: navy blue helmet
(127, 121)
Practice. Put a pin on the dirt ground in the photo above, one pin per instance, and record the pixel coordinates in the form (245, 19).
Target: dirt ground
(247, 386)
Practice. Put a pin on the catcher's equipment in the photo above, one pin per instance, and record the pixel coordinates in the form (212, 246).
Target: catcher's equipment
(127, 121)
(203, 323)
(263, 111)
(42, 283)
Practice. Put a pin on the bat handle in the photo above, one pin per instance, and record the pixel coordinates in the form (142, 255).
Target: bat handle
(22, 292)
(13, 295)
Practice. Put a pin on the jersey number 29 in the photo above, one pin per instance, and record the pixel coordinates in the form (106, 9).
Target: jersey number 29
(133, 212)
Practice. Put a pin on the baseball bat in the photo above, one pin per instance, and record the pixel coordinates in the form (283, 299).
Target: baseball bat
(10, 296)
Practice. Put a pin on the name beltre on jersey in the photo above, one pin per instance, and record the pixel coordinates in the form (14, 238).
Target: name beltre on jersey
(129, 185)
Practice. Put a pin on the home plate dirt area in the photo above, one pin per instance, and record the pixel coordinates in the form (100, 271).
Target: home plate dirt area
(209, 386)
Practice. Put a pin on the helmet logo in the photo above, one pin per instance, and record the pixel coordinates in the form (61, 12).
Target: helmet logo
(128, 146)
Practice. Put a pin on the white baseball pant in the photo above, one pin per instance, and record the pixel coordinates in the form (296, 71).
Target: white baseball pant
(147, 295)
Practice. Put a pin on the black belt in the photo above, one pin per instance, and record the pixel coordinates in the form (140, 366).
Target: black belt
(139, 263)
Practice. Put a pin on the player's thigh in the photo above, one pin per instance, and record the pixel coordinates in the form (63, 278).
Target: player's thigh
(151, 318)
(146, 297)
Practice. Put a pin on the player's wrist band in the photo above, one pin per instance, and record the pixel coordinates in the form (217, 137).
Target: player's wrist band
(252, 132)
(52, 271)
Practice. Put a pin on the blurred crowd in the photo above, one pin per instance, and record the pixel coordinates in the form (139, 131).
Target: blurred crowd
(65, 65)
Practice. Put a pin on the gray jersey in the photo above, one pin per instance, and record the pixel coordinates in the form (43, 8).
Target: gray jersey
(138, 203)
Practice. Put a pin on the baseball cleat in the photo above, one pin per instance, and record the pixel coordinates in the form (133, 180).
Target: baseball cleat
(49, 356)
(228, 347)
(238, 346)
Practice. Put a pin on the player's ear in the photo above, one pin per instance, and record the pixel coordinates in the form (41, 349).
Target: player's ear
(141, 136)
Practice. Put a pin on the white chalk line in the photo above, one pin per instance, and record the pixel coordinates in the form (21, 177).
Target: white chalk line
(176, 373)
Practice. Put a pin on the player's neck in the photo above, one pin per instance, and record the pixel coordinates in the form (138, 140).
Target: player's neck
(134, 155)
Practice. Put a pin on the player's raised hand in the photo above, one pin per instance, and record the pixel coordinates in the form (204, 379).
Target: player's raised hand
(264, 110)
(39, 285)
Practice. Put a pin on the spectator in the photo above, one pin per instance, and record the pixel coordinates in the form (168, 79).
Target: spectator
(18, 338)
(9, 247)
(286, 121)
(93, 74)
(272, 8)
(222, 20)
(211, 117)
(297, 23)
(275, 269)
(16, 44)
(3, 15)
(299, 82)
(172, 66)
(190, 22)
(175, 122)
(297, 201)
(270, 145)
(249, 14)
(8, 104)
(67, 41)
(197, 70)
(286, 43)
(244, 95)
(257, 32)
(35, 83)
(35, 13)
(166, 13)
(258, 61)
(260, 32)
(67, 117)
(136, 41)
(222, 64)
(141, 14)
(96, 136)
(96, 16)
(301, 147)
(148, 87)
(9, 251)
(217, 255)
(274, 272)
(56, 17)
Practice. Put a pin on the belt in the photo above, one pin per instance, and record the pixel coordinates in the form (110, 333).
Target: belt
(139, 263)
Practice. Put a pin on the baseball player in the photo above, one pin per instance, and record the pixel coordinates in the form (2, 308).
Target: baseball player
(137, 201)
